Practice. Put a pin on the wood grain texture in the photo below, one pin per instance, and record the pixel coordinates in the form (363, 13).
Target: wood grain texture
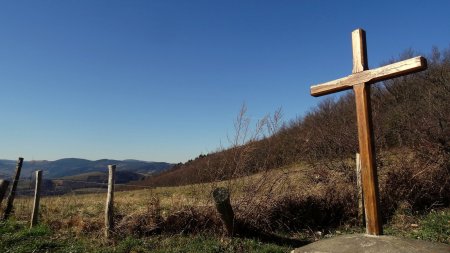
(397, 69)
(37, 197)
(365, 136)
(3, 188)
(360, 81)
(361, 213)
(360, 61)
(367, 156)
(109, 210)
(12, 193)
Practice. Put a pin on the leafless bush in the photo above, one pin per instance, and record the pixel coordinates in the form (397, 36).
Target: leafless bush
(412, 137)
(192, 220)
(142, 223)
(177, 220)
(415, 182)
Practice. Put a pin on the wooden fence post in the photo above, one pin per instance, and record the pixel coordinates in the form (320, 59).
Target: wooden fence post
(3, 187)
(37, 196)
(109, 212)
(361, 217)
(221, 197)
(12, 193)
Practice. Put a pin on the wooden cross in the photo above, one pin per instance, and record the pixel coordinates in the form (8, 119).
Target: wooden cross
(360, 81)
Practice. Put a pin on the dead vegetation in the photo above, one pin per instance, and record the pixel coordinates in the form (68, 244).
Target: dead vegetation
(412, 134)
(292, 178)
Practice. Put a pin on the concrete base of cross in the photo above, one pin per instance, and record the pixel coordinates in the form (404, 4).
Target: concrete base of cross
(372, 244)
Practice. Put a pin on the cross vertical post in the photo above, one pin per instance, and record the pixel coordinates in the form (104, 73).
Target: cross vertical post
(365, 136)
(360, 81)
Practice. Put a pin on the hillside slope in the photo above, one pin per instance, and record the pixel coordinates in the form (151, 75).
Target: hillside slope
(410, 112)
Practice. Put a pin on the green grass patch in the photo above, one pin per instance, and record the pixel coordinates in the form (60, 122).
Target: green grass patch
(181, 244)
(18, 238)
(15, 237)
(434, 226)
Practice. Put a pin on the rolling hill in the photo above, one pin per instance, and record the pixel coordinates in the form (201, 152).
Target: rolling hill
(72, 174)
(75, 166)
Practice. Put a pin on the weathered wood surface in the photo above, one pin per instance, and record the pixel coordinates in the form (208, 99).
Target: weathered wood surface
(361, 213)
(109, 211)
(360, 81)
(365, 136)
(3, 188)
(221, 197)
(12, 192)
(37, 197)
(367, 153)
(371, 76)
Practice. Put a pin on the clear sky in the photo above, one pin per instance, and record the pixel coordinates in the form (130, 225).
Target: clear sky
(164, 80)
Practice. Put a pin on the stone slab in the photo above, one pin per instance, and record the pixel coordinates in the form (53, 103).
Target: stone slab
(358, 243)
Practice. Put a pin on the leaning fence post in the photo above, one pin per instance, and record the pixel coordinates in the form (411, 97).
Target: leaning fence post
(3, 187)
(109, 212)
(12, 193)
(37, 196)
(359, 188)
(221, 197)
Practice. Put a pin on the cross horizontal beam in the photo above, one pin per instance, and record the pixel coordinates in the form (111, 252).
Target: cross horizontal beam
(397, 69)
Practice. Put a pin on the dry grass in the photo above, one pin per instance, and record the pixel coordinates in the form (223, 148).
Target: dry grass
(288, 200)
(84, 213)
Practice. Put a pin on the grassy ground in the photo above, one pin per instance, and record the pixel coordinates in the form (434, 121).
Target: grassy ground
(90, 207)
(17, 237)
(74, 222)
(435, 226)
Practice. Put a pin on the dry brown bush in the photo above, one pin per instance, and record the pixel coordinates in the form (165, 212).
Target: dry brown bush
(412, 135)
(142, 223)
(192, 220)
(178, 220)
(415, 182)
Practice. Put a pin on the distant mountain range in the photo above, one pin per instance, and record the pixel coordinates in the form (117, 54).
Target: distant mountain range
(75, 166)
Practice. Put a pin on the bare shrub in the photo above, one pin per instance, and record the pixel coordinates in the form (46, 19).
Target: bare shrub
(414, 182)
(412, 136)
(179, 219)
(192, 220)
(142, 223)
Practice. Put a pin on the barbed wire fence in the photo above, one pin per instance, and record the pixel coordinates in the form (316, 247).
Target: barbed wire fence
(80, 205)
(72, 202)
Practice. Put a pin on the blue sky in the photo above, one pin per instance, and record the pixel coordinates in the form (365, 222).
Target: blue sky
(164, 80)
